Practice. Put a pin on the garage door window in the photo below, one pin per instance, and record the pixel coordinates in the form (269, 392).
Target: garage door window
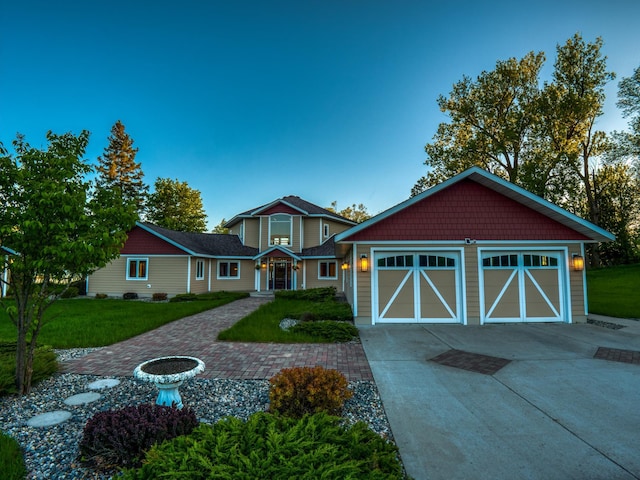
(539, 261)
(498, 261)
(437, 261)
(396, 261)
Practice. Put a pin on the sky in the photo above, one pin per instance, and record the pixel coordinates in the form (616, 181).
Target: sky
(250, 101)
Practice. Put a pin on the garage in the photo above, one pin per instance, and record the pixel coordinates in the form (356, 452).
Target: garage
(523, 286)
(417, 287)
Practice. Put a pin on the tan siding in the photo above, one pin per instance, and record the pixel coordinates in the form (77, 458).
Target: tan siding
(295, 237)
(199, 286)
(252, 232)
(364, 286)
(472, 284)
(311, 232)
(334, 228)
(165, 275)
(312, 280)
(264, 233)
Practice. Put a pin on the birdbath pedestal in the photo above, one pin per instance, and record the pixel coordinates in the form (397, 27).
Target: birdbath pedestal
(168, 373)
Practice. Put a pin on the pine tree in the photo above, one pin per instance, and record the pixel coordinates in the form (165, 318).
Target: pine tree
(117, 168)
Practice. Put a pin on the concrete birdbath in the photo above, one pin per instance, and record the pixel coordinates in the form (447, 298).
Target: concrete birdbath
(168, 373)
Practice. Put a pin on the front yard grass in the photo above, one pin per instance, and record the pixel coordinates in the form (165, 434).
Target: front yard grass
(90, 322)
(615, 291)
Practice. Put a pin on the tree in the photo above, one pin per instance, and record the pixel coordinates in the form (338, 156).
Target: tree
(357, 213)
(117, 168)
(220, 228)
(176, 206)
(629, 103)
(57, 226)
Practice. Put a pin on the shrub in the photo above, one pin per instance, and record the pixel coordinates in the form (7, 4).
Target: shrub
(184, 297)
(159, 297)
(11, 461)
(273, 447)
(313, 294)
(329, 331)
(101, 295)
(306, 390)
(70, 292)
(45, 364)
(119, 438)
(130, 296)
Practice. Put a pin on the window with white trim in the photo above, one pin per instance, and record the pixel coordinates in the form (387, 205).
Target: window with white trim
(137, 268)
(326, 230)
(199, 269)
(328, 270)
(228, 270)
(280, 229)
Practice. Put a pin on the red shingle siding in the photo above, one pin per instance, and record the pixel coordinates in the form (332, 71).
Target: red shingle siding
(467, 210)
(280, 208)
(141, 242)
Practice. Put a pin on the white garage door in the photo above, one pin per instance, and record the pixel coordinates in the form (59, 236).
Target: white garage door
(522, 287)
(413, 287)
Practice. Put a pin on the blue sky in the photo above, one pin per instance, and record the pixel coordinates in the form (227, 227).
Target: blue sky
(249, 101)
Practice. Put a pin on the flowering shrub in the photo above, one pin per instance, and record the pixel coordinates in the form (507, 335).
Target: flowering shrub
(120, 438)
(305, 390)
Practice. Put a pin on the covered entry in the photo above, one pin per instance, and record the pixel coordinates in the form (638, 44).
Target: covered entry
(417, 286)
(523, 286)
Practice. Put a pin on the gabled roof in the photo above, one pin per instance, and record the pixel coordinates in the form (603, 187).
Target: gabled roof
(297, 204)
(277, 248)
(498, 185)
(201, 244)
(326, 250)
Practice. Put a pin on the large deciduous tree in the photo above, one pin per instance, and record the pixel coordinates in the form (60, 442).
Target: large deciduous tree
(55, 226)
(358, 213)
(176, 206)
(117, 168)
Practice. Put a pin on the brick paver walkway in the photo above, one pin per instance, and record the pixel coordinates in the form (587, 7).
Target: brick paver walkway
(197, 336)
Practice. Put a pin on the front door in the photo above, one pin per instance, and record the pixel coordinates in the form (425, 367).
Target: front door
(280, 275)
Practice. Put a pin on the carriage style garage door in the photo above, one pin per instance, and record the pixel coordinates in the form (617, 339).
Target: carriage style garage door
(522, 287)
(415, 287)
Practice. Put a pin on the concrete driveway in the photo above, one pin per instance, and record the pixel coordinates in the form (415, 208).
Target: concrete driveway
(553, 412)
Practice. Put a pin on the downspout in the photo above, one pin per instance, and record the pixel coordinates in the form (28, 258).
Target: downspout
(209, 275)
(189, 274)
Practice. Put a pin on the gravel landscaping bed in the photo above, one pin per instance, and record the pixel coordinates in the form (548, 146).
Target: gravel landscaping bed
(50, 452)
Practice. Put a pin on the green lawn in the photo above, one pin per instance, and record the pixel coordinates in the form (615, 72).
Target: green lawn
(615, 291)
(90, 322)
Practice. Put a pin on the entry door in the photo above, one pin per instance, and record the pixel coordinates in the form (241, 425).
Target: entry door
(522, 287)
(417, 287)
(280, 276)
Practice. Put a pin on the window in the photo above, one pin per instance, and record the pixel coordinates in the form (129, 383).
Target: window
(328, 270)
(326, 231)
(199, 269)
(436, 261)
(539, 261)
(228, 270)
(137, 268)
(280, 230)
(500, 261)
(396, 261)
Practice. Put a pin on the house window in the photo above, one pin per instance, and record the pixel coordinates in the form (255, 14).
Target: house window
(137, 268)
(326, 231)
(280, 230)
(328, 270)
(199, 269)
(500, 261)
(228, 270)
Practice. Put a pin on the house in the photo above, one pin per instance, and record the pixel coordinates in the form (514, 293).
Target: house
(473, 250)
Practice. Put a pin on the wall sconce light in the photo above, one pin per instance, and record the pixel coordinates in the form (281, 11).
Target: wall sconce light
(345, 266)
(364, 263)
(577, 263)
(264, 265)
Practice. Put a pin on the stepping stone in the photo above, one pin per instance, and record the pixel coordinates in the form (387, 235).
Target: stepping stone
(49, 418)
(81, 398)
(104, 383)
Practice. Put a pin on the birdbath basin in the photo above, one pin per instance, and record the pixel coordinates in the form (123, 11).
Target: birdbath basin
(168, 373)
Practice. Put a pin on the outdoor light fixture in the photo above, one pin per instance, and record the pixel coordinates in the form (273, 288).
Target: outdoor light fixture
(364, 263)
(345, 266)
(264, 265)
(578, 263)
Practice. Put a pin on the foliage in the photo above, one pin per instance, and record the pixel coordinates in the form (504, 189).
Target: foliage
(159, 297)
(629, 103)
(614, 291)
(298, 391)
(129, 296)
(273, 447)
(91, 322)
(312, 294)
(117, 168)
(11, 461)
(330, 331)
(263, 325)
(357, 213)
(70, 292)
(183, 297)
(58, 225)
(45, 364)
(176, 206)
(119, 438)
(220, 228)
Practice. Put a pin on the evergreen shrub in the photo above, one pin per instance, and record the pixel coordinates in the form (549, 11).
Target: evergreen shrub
(313, 294)
(119, 438)
(337, 332)
(273, 447)
(297, 391)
